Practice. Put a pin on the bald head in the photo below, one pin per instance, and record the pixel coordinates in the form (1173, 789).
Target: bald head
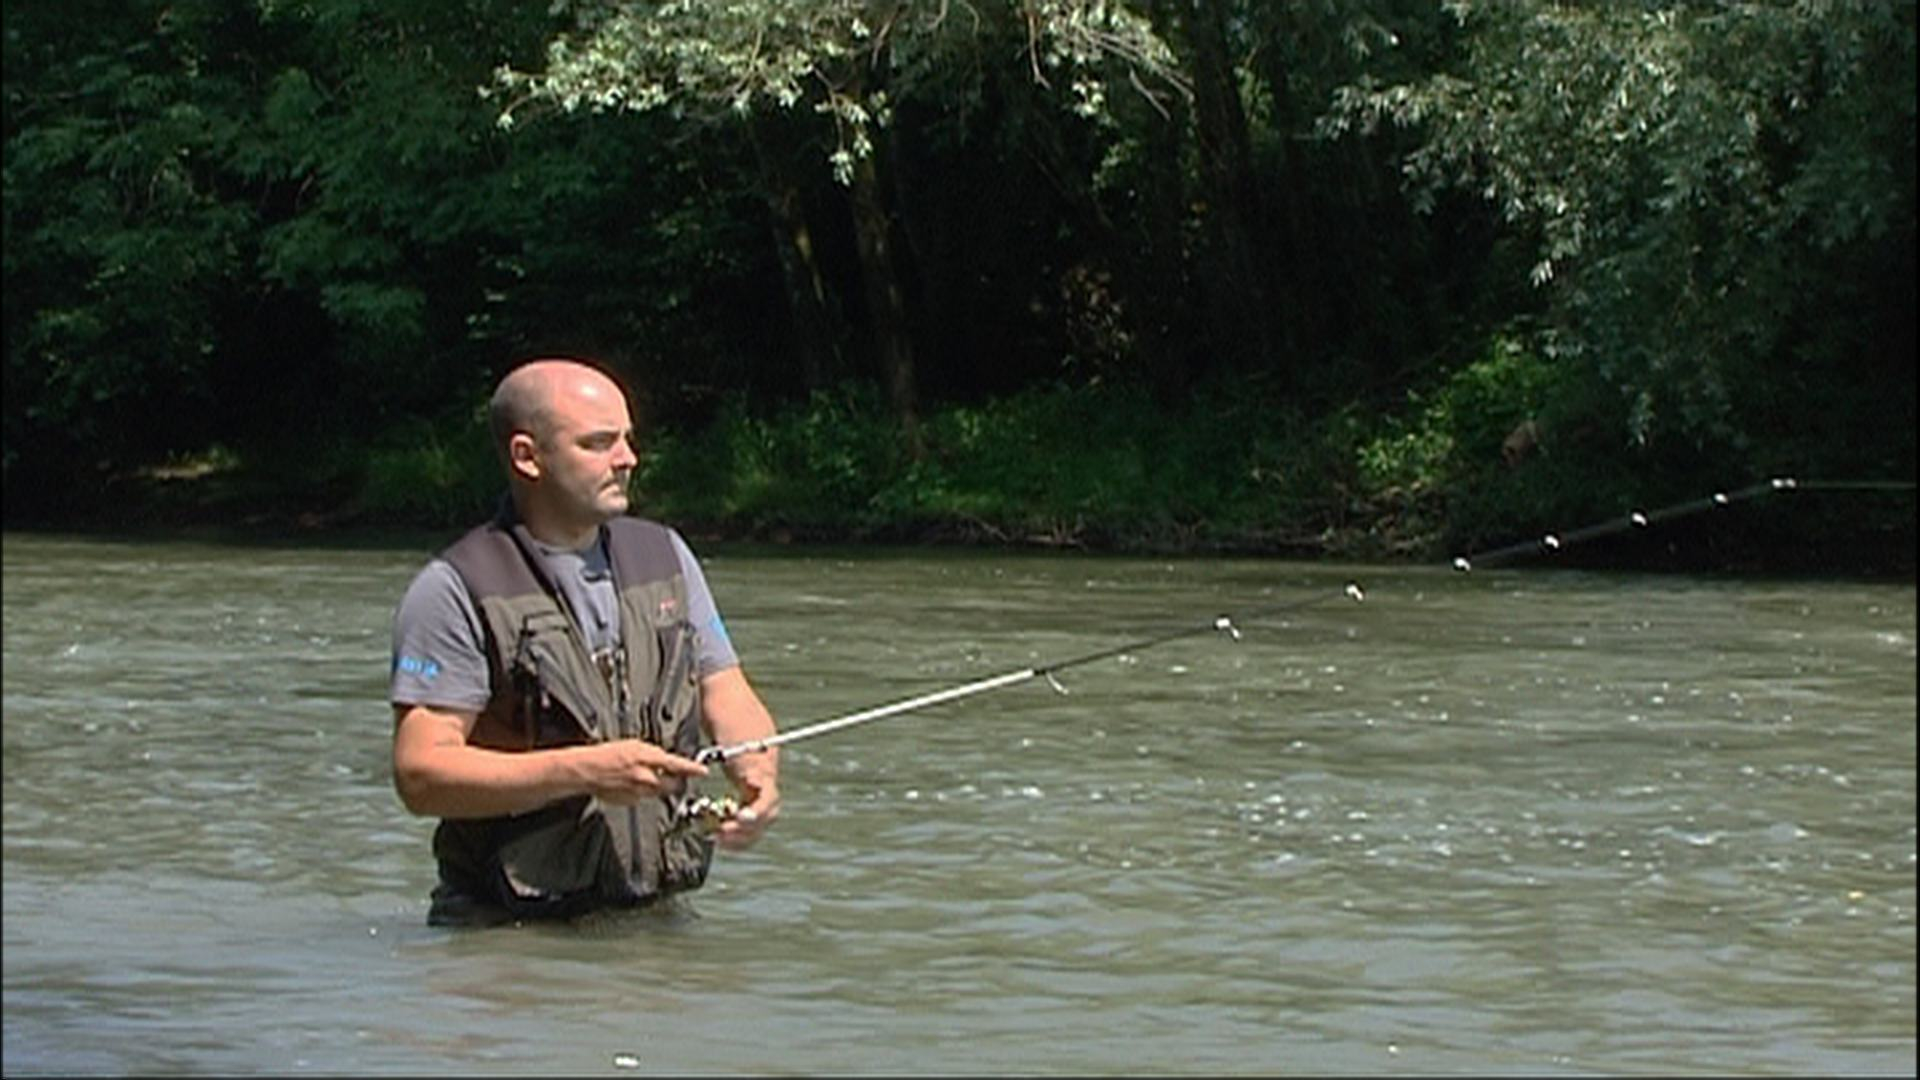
(565, 435)
(529, 398)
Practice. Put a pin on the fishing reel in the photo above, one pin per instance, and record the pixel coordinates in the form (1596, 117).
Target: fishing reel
(699, 811)
(704, 813)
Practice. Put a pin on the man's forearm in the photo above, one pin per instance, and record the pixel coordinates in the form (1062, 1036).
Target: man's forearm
(475, 782)
(734, 713)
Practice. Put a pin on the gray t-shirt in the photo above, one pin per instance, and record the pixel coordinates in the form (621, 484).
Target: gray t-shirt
(439, 647)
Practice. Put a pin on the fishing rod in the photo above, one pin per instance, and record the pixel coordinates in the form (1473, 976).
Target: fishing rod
(1546, 544)
(710, 810)
(1550, 543)
(1222, 624)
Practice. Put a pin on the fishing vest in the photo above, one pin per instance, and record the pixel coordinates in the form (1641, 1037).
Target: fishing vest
(547, 691)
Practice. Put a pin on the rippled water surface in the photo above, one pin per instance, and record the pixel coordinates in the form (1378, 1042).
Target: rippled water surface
(1527, 821)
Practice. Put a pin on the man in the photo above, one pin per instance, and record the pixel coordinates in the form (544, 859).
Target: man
(553, 671)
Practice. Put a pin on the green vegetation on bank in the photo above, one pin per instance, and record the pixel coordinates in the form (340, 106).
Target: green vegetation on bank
(1232, 463)
(1102, 467)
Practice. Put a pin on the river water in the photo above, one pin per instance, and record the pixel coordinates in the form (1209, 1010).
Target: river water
(1519, 821)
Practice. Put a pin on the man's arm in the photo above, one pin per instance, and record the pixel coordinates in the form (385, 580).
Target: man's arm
(734, 713)
(437, 773)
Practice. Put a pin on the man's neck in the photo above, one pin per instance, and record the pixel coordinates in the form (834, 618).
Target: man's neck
(565, 535)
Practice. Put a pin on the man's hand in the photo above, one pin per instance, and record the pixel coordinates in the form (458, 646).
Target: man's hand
(626, 771)
(734, 713)
(761, 794)
(438, 774)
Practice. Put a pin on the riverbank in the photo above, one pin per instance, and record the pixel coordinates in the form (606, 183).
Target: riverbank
(213, 504)
(1093, 469)
(233, 504)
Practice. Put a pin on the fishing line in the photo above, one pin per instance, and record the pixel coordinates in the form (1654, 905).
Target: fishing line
(1546, 544)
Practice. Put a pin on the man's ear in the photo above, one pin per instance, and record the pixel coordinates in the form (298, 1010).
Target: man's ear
(523, 456)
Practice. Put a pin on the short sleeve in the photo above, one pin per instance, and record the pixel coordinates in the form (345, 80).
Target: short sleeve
(439, 654)
(713, 648)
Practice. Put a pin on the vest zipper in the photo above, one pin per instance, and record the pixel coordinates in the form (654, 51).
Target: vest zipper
(623, 711)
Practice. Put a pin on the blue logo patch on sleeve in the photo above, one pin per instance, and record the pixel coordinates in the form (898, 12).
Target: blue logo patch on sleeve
(413, 665)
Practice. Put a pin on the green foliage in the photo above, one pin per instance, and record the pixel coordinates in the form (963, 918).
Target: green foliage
(1053, 464)
(814, 464)
(838, 58)
(442, 474)
(1695, 175)
(1235, 465)
(1299, 292)
(1495, 444)
(118, 243)
(270, 223)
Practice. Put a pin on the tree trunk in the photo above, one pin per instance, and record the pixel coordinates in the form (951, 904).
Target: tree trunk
(1238, 296)
(886, 302)
(816, 330)
(1144, 261)
(1293, 283)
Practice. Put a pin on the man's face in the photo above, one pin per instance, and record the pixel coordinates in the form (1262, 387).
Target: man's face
(587, 455)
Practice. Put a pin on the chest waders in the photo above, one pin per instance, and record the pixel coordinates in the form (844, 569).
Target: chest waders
(577, 854)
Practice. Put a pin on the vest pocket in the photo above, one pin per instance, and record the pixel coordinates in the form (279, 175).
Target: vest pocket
(675, 696)
(687, 856)
(551, 862)
(547, 676)
(672, 714)
(662, 859)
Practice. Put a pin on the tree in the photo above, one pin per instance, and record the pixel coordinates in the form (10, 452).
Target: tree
(846, 60)
(120, 234)
(294, 226)
(1708, 186)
